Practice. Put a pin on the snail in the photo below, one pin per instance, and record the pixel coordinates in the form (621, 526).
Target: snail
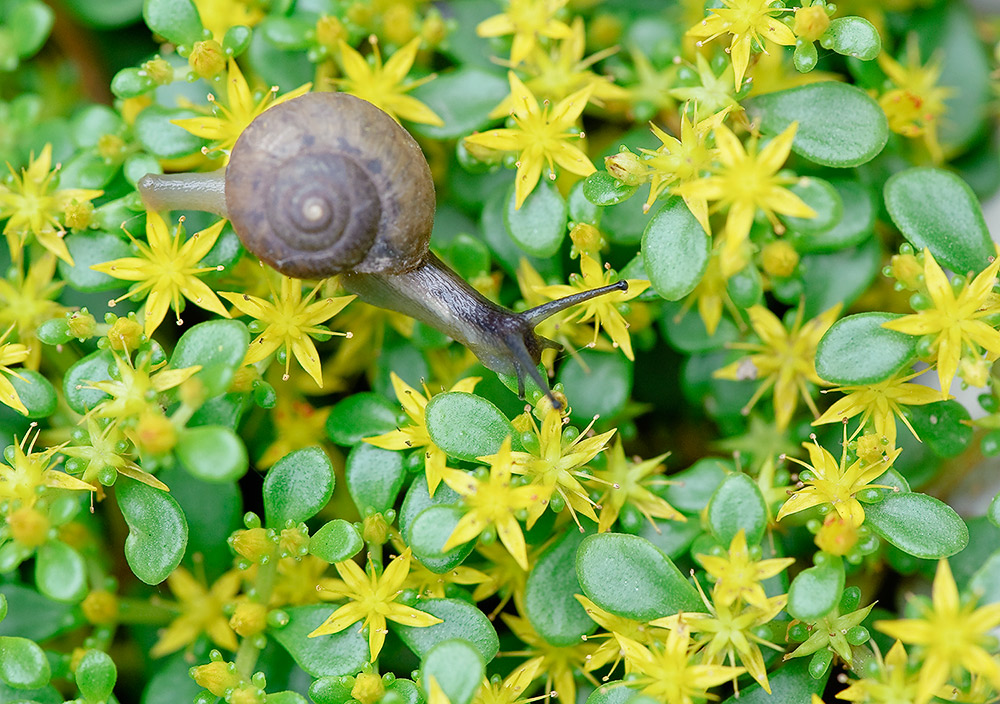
(329, 184)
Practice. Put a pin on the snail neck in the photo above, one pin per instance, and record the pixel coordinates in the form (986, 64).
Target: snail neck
(193, 191)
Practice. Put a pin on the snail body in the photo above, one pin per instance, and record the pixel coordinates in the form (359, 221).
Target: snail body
(328, 184)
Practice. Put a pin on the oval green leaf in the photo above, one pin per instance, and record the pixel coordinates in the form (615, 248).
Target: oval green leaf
(212, 453)
(789, 683)
(691, 489)
(549, 595)
(603, 189)
(374, 477)
(589, 370)
(539, 227)
(88, 248)
(466, 426)
(457, 667)
(429, 533)
(943, 425)
(81, 376)
(814, 592)
(36, 393)
(919, 525)
(823, 198)
(96, 675)
(336, 541)
(60, 572)
(839, 125)
(334, 655)
(219, 346)
(852, 36)
(23, 665)
(855, 225)
(460, 619)
(463, 99)
(857, 350)
(628, 576)
(298, 486)
(157, 530)
(176, 21)
(675, 250)
(361, 415)
(936, 209)
(737, 504)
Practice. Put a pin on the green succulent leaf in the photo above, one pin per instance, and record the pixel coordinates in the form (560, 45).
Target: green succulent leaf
(630, 577)
(549, 597)
(219, 346)
(88, 248)
(374, 477)
(675, 250)
(429, 533)
(36, 393)
(815, 592)
(457, 667)
(212, 453)
(336, 541)
(539, 226)
(176, 21)
(298, 486)
(96, 675)
(792, 682)
(460, 619)
(333, 655)
(23, 665)
(839, 125)
(157, 530)
(463, 99)
(936, 209)
(466, 426)
(857, 350)
(60, 572)
(362, 415)
(610, 372)
(823, 198)
(919, 525)
(736, 505)
(603, 189)
(943, 425)
(852, 36)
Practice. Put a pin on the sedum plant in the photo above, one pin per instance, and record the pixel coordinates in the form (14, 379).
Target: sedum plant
(762, 473)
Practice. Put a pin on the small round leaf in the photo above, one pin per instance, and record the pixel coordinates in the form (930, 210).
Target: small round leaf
(157, 530)
(466, 426)
(460, 619)
(336, 541)
(549, 595)
(219, 346)
(852, 36)
(457, 667)
(36, 393)
(539, 226)
(814, 592)
(919, 525)
(603, 189)
(60, 572)
(675, 250)
(858, 350)
(176, 21)
(374, 477)
(96, 675)
(360, 416)
(334, 655)
(212, 453)
(737, 504)
(298, 486)
(23, 665)
(429, 532)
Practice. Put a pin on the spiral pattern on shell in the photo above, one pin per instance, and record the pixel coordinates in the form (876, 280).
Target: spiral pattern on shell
(328, 183)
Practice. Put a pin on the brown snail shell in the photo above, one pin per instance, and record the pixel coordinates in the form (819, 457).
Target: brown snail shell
(328, 183)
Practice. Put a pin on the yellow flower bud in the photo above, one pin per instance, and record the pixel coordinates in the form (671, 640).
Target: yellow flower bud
(544, 405)
(605, 29)
(155, 434)
(293, 542)
(811, 22)
(398, 24)
(111, 147)
(374, 529)
(247, 695)
(249, 618)
(361, 13)
(837, 536)
(253, 544)
(29, 527)
(586, 238)
(207, 58)
(100, 608)
(871, 448)
(368, 688)
(243, 379)
(217, 677)
(82, 325)
(433, 30)
(78, 214)
(779, 258)
(159, 71)
(974, 371)
(131, 107)
(329, 32)
(907, 270)
(125, 334)
(627, 167)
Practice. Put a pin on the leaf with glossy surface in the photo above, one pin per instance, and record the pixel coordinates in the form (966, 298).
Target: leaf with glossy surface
(603, 189)
(736, 505)
(918, 524)
(337, 654)
(675, 250)
(374, 477)
(60, 572)
(466, 426)
(298, 486)
(336, 541)
(361, 415)
(463, 99)
(539, 226)
(943, 425)
(430, 531)
(96, 675)
(852, 36)
(457, 667)
(936, 209)
(857, 350)
(460, 619)
(628, 576)
(23, 665)
(839, 125)
(176, 21)
(79, 380)
(219, 346)
(157, 530)
(588, 370)
(789, 683)
(36, 393)
(212, 453)
(549, 595)
(814, 592)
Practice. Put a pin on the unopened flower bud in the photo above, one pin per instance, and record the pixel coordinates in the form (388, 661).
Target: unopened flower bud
(253, 543)
(779, 258)
(811, 22)
(627, 167)
(217, 677)
(29, 527)
(155, 434)
(82, 325)
(329, 32)
(544, 404)
(907, 270)
(159, 71)
(125, 334)
(368, 688)
(111, 147)
(586, 238)
(361, 13)
(207, 58)
(375, 529)
(398, 23)
(837, 536)
(870, 448)
(433, 30)
(78, 214)
(100, 607)
(247, 695)
(249, 618)
(293, 542)
(974, 371)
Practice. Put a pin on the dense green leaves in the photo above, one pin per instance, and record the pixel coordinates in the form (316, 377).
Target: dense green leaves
(460, 619)
(374, 477)
(628, 576)
(549, 596)
(943, 425)
(839, 125)
(462, 99)
(918, 524)
(157, 530)
(858, 350)
(675, 250)
(361, 415)
(466, 426)
(298, 486)
(936, 209)
(218, 346)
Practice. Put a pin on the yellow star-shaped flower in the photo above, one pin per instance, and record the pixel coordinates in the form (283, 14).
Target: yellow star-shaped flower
(289, 320)
(384, 86)
(167, 270)
(783, 359)
(226, 122)
(541, 136)
(201, 611)
(738, 576)
(747, 181)
(415, 434)
(33, 206)
(955, 321)
(11, 353)
(749, 22)
(528, 21)
(952, 636)
(629, 483)
(372, 599)
(24, 473)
